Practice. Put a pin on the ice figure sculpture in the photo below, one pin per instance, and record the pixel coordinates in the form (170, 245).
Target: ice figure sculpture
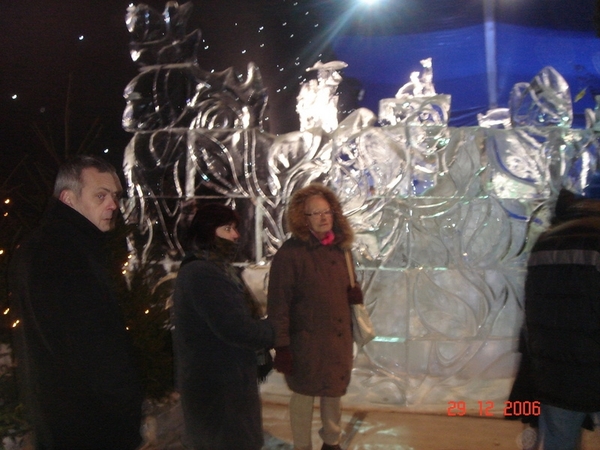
(317, 100)
(416, 101)
(444, 216)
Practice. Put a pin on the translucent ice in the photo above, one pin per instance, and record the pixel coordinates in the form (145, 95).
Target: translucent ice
(317, 100)
(444, 217)
(416, 102)
(545, 101)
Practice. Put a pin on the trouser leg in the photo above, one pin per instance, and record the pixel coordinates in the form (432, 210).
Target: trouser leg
(301, 413)
(560, 429)
(331, 418)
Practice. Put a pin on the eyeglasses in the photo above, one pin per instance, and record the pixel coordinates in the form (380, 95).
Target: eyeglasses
(319, 213)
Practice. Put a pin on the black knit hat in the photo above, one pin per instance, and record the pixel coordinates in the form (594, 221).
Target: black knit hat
(207, 219)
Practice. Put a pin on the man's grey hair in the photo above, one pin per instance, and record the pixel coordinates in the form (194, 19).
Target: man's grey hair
(69, 173)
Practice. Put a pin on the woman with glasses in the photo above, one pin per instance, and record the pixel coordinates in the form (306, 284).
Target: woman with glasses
(217, 333)
(309, 304)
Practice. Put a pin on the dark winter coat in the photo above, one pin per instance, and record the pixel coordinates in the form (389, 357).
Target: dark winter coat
(562, 309)
(215, 339)
(73, 353)
(308, 304)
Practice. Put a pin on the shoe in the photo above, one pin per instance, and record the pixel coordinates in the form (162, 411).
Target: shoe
(331, 447)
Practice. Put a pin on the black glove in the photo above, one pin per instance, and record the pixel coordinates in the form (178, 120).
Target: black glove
(355, 295)
(283, 362)
(265, 364)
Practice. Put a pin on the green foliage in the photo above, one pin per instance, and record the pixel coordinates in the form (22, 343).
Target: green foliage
(23, 197)
(12, 417)
(148, 322)
(144, 301)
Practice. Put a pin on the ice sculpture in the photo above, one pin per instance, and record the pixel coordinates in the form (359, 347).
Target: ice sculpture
(546, 100)
(495, 118)
(444, 216)
(317, 100)
(416, 101)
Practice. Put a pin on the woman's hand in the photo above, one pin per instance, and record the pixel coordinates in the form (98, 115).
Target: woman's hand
(355, 295)
(284, 361)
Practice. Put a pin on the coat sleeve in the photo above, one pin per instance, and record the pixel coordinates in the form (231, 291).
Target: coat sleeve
(220, 303)
(281, 292)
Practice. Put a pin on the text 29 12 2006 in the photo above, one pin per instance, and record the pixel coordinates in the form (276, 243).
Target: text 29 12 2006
(486, 408)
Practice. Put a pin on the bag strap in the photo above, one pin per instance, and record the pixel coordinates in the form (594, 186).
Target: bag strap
(350, 269)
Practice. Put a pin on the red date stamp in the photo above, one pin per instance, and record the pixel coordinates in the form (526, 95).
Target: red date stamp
(486, 408)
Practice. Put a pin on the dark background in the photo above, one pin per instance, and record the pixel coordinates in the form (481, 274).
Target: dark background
(43, 58)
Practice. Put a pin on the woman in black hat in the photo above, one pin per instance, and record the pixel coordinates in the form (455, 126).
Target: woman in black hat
(217, 333)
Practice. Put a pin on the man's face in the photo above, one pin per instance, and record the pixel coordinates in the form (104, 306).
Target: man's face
(99, 198)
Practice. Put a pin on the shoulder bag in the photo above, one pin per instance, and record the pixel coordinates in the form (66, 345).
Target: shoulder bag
(362, 327)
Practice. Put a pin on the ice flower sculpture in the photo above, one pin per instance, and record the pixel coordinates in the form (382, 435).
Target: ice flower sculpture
(443, 216)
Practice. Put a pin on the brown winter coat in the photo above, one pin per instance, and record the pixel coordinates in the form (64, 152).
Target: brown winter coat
(308, 303)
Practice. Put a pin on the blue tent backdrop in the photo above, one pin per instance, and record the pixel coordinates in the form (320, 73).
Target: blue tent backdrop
(384, 44)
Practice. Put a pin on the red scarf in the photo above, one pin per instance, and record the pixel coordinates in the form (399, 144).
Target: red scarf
(328, 239)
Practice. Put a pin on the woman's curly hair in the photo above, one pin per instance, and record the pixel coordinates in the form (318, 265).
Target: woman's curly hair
(296, 220)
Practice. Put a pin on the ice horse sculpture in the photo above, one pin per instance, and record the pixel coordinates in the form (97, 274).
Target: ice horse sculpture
(444, 216)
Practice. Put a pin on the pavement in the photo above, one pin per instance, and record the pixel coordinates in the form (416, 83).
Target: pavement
(364, 429)
(379, 429)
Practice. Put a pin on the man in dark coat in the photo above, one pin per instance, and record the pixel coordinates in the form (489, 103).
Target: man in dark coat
(562, 313)
(309, 303)
(74, 360)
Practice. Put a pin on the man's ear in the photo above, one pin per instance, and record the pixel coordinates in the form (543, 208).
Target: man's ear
(66, 196)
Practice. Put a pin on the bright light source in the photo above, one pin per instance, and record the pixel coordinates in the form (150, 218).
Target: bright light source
(369, 2)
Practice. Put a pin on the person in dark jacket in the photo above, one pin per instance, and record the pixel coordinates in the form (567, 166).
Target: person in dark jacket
(217, 333)
(309, 301)
(562, 317)
(74, 358)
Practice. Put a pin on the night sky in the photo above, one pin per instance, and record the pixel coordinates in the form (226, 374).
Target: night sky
(50, 48)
